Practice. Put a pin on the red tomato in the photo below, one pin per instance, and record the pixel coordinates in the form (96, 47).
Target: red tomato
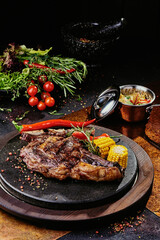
(48, 86)
(80, 135)
(49, 101)
(45, 95)
(41, 106)
(25, 62)
(42, 79)
(32, 90)
(33, 101)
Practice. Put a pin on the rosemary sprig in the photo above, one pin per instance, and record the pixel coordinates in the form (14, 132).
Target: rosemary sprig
(88, 143)
(16, 81)
(64, 81)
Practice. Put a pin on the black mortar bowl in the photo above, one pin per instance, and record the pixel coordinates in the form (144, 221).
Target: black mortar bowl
(90, 41)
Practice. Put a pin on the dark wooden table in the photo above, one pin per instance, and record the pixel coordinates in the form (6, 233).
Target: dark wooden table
(143, 224)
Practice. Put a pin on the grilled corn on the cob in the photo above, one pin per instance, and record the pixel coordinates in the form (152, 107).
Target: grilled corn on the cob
(104, 144)
(118, 153)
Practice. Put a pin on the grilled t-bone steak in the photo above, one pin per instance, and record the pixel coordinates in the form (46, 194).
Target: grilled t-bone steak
(55, 155)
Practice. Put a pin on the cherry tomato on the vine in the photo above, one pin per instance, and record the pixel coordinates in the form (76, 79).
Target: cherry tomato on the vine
(48, 86)
(33, 101)
(41, 106)
(45, 95)
(50, 101)
(42, 79)
(25, 62)
(32, 90)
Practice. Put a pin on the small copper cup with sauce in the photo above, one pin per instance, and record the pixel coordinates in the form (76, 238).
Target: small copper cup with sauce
(135, 113)
(109, 101)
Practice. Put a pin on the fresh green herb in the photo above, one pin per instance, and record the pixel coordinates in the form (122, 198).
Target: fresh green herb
(128, 97)
(6, 109)
(89, 144)
(20, 117)
(14, 82)
(55, 113)
(14, 75)
(64, 81)
(24, 50)
(78, 98)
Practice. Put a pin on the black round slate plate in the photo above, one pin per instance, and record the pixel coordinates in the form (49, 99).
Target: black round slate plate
(35, 189)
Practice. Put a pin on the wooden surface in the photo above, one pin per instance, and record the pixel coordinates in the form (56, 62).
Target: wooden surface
(153, 203)
(13, 228)
(132, 198)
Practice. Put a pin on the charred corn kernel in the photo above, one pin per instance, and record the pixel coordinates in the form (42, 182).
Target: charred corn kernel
(104, 145)
(118, 153)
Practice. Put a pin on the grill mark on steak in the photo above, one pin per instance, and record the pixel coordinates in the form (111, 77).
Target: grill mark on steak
(95, 160)
(60, 157)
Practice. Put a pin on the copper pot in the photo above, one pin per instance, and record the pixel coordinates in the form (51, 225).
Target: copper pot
(108, 101)
(135, 113)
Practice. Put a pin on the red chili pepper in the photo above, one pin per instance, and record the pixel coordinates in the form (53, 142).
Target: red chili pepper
(101, 136)
(51, 123)
(144, 101)
(105, 135)
(37, 65)
(82, 136)
(131, 101)
(79, 135)
(140, 101)
(135, 101)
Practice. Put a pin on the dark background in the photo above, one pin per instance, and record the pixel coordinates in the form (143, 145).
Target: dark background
(39, 22)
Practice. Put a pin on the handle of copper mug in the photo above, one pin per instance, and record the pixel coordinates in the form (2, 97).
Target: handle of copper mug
(149, 108)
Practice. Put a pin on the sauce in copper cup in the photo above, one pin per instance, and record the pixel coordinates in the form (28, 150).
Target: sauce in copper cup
(131, 112)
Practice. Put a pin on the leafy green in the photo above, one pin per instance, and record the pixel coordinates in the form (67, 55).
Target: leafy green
(24, 50)
(15, 81)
